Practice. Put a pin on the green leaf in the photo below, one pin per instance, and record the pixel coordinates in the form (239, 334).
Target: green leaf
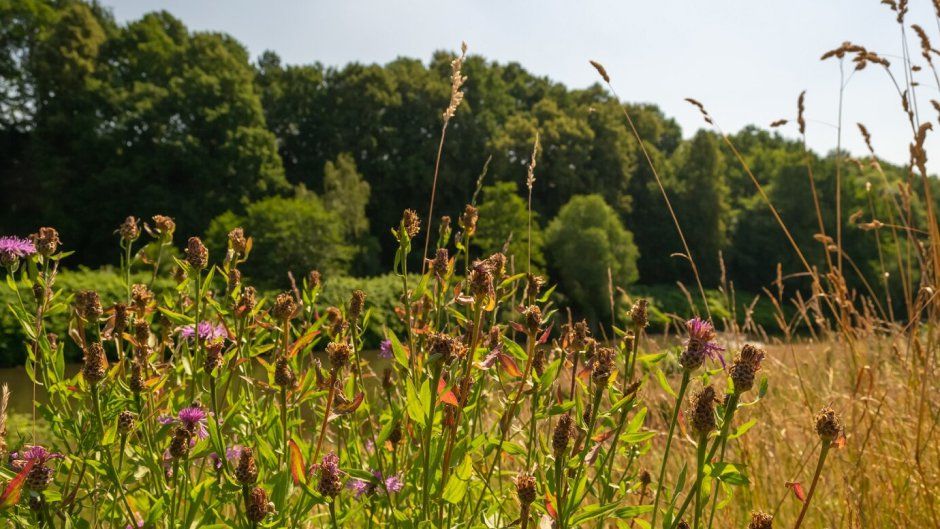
(456, 487)
(663, 383)
(413, 404)
(741, 430)
(398, 351)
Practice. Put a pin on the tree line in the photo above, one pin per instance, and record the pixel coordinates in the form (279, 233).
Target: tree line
(99, 120)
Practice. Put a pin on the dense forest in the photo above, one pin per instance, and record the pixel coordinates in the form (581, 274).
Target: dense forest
(100, 120)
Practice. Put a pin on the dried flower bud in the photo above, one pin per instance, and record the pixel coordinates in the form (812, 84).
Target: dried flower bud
(39, 477)
(564, 430)
(136, 379)
(314, 279)
(95, 364)
(468, 221)
(120, 318)
(411, 223)
(534, 284)
(394, 436)
(234, 279)
(339, 353)
(246, 301)
(357, 303)
(257, 506)
(237, 242)
(481, 281)
(445, 347)
(163, 225)
(603, 366)
(130, 229)
(525, 488)
(141, 332)
(330, 484)
(214, 357)
(639, 313)
(284, 307)
(88, 305)
(246, 472)
(533, 318)
(126, 421)
(179, 445)
(701, 411)
(444, 229)
(46, 241)
(440, 263)
(586, 414)
(141, 297)
(828, 424)
(197, 255)
(745, 366)
(761, 520)
(283, 374)
(645, 478)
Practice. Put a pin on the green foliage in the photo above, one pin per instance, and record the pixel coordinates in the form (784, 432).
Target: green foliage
(504, 217)
(383, 295)
(585, 241)
(296, 235)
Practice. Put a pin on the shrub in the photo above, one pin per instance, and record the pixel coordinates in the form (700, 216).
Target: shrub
(504, 217)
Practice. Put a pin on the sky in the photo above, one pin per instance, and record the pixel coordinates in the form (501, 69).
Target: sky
(746, 60)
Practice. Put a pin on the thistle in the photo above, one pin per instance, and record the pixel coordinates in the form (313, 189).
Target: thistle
(745, 366)
(761, 520)
(257, 506)
(197, 255)
(246, 472)
(95, 363)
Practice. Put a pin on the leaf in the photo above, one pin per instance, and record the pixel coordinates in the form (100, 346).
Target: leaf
(296, 463)
(349, 407)
(447, 397)
(797, 489)
(11, 494)
(741, 430)
(398, 351)
(550, 505)
(730, 473)
(413, 404)
(591, 512)
(661, 378)
(456, 488)
(509, 365)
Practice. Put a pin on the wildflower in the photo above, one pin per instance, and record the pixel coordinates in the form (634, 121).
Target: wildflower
(88, 305)
(192, 418)
(368, 488)
(534, 284)
(385, 349)
(141, 333)
(603, 366)
(533, 318)
(163, 226)
(828, 424)
(40, 475)
(314, 279)
(207, 332)
(130, 229)
(246, 301)
(761, 520)
(257, 506)
(46, 241)
(246, 472)
(214, 357)
(125, 423)
(468, 220)
(639, 313)
(699, 345)
(95, 364)
(12, 249)
(339, 353)
(445, 347)
(744, 367)
(701, 411)
(283, 374)
(180, 443)
(237, 242)
(120, 318)
(141, 297)
(337, 325)
(284, 307)
(330, 482)
(481, 281)
(564, 430)
(136, 381)
(411, 223)
(356, 303)
(197, 255)
(234, 279)
(394, 483)
(394, 436)
(525, 491)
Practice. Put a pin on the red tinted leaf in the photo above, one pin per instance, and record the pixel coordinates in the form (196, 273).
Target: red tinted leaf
(544, 337)
(840, 442)
(447, 397)
(302, 342)
(509, 366)
(349, 407)
(797, 489)
(550, 505)
(296, 463)
(11, 494)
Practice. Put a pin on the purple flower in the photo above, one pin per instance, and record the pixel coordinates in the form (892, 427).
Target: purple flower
(194, 419)
(14, 248)
(385, 349)
(40, 455)
(368, 488)
(360, 487)
(233, 453)
(207, 331)
(702, 338)
(394, 483)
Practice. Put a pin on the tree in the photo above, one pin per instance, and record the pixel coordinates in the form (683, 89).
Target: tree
(296, 234)
(504, 217)
(584, 241)
(346, 194)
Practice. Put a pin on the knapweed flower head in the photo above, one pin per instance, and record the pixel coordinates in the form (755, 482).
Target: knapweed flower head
(237, 242)
(207, 331)
(410, 223)
(40, 475)
(701, 411)
(357, 303)
(603, 366)
(700, 345)
(746, 364)
(639, 313)
(246, 472)
(285, 307)
(95, 364)
(130, 229)
(12, 249)
(339, 353)
(88, 305)
(46, 241)
(525, 488)
(445, 347)
(564, 431)
(257, 506)
(468, 220)
(192, 418)
(163, 226)
(385, 349)
(197, 255)
(330, 482)
(828, 424)
(283, 373)
(761, 520)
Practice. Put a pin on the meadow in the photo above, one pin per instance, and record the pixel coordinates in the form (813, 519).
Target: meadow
(484, 384)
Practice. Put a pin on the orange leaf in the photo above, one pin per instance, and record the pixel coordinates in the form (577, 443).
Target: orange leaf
(840, 441)
(550, 505)
(296, 463)
(11, 494)
(447, 397)
(349, 407)
(302, 342)
(509, 365)
(797, 489)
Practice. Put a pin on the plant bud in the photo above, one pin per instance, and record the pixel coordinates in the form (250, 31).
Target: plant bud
(95, 364)
(828, 424)
(257, 505)
(247, 470)
(197, 255)
(129, 230)
(761, 520)
(701, 413)
(126, 421)
(284, 307)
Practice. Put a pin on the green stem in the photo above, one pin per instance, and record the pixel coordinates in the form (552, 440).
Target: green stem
(672, 427)
(429, 427)
(699, 476)
(812, 488)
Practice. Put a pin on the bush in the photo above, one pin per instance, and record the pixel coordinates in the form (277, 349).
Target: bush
(383, 293)
(584, 241)
(503, 215)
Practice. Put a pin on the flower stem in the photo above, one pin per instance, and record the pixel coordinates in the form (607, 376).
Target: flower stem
(812, 488)
(672, 427)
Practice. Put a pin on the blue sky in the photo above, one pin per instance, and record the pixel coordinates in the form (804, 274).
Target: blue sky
(746, 60)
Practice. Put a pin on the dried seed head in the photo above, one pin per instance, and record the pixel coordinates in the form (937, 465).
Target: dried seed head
(534, 284)
(39, 477)
(314, 279)
(95, 364)
(284, 307)
(246, 472)
(179, 445)
(330, 482)
(564, 430)
(339, 353)
(468, 220)
(88, 305)
(141, 297)
(126, 421)
(237, 242)
(234, 279)
(603, 366)
(701, 411)
(761, 520)
(600, 70)
(645, 478)
(357, 303)
(456, 82)
(587, 413)
(828, 424)
(214, 357)
(682, 525)
(745, 366)
(440, 263)
(481, 281)
(525, 488)
(411, 223)
(130, 229)
(46, 241)
(639, 313)
(136, 379)
(163, 225)
(445, 347)
(257, 505)
(283, 373)
(120, 318)
(141, 332)
(533, 318)
(197, 255)
(246, 301)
